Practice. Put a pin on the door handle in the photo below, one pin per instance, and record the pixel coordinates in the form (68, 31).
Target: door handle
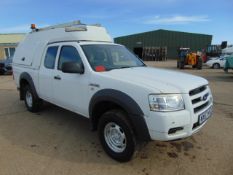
(57, 77)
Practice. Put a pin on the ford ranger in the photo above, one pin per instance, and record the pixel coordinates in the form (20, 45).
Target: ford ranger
(79, 68)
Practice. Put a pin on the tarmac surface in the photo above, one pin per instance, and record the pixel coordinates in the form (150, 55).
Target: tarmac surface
(56, 141)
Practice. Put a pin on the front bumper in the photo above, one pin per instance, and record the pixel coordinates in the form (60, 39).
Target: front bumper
(162, 125)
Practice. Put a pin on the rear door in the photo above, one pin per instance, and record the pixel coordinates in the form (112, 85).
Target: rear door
(47, 72)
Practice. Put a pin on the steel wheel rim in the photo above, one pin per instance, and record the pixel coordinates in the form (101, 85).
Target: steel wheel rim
(29, 99)
(115, 137)
(216, 66)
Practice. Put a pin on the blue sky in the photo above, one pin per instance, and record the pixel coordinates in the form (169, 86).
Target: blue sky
(123, 17)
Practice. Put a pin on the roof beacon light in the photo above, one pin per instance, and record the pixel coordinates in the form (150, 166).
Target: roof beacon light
(33, 26)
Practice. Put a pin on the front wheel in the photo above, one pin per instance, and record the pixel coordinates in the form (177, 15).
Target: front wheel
(116, 135)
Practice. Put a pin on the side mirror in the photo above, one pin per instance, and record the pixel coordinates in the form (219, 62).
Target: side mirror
(72, 67)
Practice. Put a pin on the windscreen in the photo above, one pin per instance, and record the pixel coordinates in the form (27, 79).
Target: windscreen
(110, 57)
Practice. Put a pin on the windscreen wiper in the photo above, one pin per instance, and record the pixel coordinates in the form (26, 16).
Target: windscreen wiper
(124, 67)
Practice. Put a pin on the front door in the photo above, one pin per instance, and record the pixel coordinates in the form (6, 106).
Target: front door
(70, 89)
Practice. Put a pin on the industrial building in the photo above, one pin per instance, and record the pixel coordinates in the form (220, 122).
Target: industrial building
(163, 44)
(8, 43)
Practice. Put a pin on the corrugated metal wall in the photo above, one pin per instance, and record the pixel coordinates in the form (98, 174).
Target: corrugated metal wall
(164, 38)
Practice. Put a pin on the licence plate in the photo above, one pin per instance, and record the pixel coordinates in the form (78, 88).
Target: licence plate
(205, 115)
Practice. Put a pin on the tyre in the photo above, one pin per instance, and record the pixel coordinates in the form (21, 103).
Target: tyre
(181, 64)
(199, 63)
(32, 103)
(116, 135)
(216, 66)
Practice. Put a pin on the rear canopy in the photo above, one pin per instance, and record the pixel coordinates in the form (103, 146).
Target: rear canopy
(30, 50)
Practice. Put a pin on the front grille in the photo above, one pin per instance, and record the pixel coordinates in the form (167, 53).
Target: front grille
(199, 108)
(200, 98)
(197, 90)
(196, 100)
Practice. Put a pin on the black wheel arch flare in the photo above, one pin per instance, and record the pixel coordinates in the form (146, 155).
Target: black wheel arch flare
(27, 77)
(127, 103)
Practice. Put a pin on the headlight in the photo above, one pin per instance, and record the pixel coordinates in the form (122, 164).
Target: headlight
(169, 102)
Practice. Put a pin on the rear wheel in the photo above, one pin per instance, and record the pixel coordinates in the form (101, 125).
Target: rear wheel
(216, 66)
(32, 103)
(116, 135)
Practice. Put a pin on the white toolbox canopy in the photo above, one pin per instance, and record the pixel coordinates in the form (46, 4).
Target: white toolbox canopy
(31, 48)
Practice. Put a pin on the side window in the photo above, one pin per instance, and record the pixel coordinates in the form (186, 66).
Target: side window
(68, 54)
(7, 52)
(12, 51)
(50, 57)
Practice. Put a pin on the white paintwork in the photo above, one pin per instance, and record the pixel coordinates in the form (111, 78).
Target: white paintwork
(35, 42)
(151, 78)
(74, 93)
(219, 60)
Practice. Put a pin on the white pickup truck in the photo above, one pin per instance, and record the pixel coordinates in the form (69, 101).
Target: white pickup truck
(79, 68)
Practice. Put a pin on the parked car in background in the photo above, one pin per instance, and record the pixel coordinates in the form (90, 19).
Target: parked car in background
(223, 55)
(216, 63)
(6, 66)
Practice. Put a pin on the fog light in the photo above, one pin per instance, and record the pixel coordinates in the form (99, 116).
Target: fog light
(174, 130)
